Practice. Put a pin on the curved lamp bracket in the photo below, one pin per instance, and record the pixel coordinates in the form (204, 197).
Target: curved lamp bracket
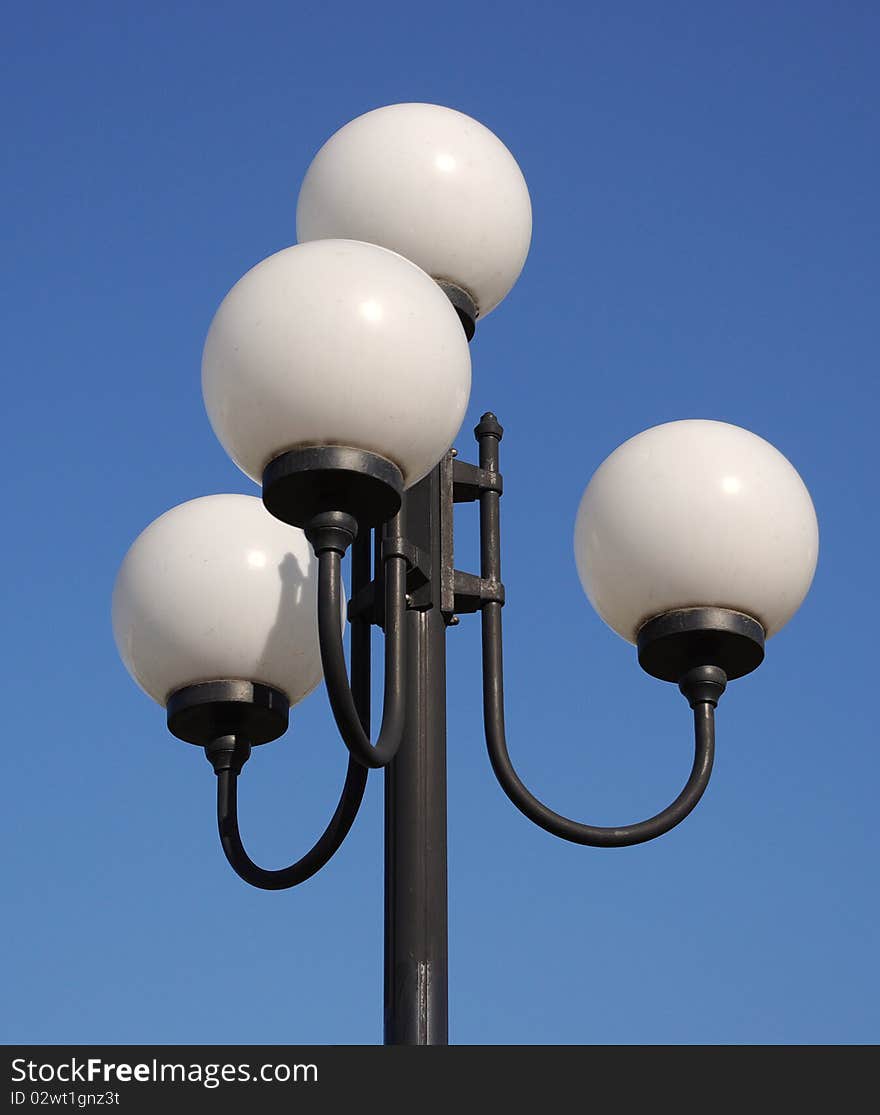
(228, 718)
(312, 862)
(331, 534)
(699, 648)
(336, 493)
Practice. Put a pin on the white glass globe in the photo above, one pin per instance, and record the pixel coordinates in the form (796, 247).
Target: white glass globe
(336, 343)
(217, 589)
(693, 514)
(428, 182)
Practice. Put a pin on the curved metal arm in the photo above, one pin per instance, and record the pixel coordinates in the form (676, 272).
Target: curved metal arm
(555, 823)
(227, 755)
(330, 598)
(313, 860)
(489, 433)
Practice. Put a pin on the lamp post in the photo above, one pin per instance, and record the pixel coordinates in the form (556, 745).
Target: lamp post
(336, 373)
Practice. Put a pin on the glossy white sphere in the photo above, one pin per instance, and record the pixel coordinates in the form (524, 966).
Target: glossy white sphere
(336, 343)
(696, 513)
(428, 182)
(218, 589)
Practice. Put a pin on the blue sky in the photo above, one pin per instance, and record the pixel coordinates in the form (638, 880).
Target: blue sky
(704, 180)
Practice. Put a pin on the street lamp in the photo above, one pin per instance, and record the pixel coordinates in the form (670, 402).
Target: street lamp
(336, 373)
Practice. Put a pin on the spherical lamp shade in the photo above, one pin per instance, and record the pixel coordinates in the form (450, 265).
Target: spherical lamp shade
(336, 342)
(696, 514)
(217, 589)
(430, 183)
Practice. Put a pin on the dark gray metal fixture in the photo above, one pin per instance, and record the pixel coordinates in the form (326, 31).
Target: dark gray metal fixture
(404, 580)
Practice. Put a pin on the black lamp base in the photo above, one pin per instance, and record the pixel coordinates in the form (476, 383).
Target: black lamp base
(463, 305)
(303, 483)
(251, 712)
(674, 643)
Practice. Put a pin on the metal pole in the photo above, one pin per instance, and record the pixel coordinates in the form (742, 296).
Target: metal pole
(361, 563)
(416, 983)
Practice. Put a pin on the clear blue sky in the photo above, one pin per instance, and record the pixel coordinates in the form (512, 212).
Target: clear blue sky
(705, 187)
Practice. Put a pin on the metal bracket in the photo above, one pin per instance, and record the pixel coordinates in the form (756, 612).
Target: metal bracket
(460, 592)
(368, 602)
(468, 481)
(418, 561)
(470, 592)
(363, 605)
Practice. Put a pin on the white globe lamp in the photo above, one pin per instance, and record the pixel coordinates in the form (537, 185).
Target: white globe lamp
(216, 590)
(342, 345)
(691, 515)
(430, 183)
